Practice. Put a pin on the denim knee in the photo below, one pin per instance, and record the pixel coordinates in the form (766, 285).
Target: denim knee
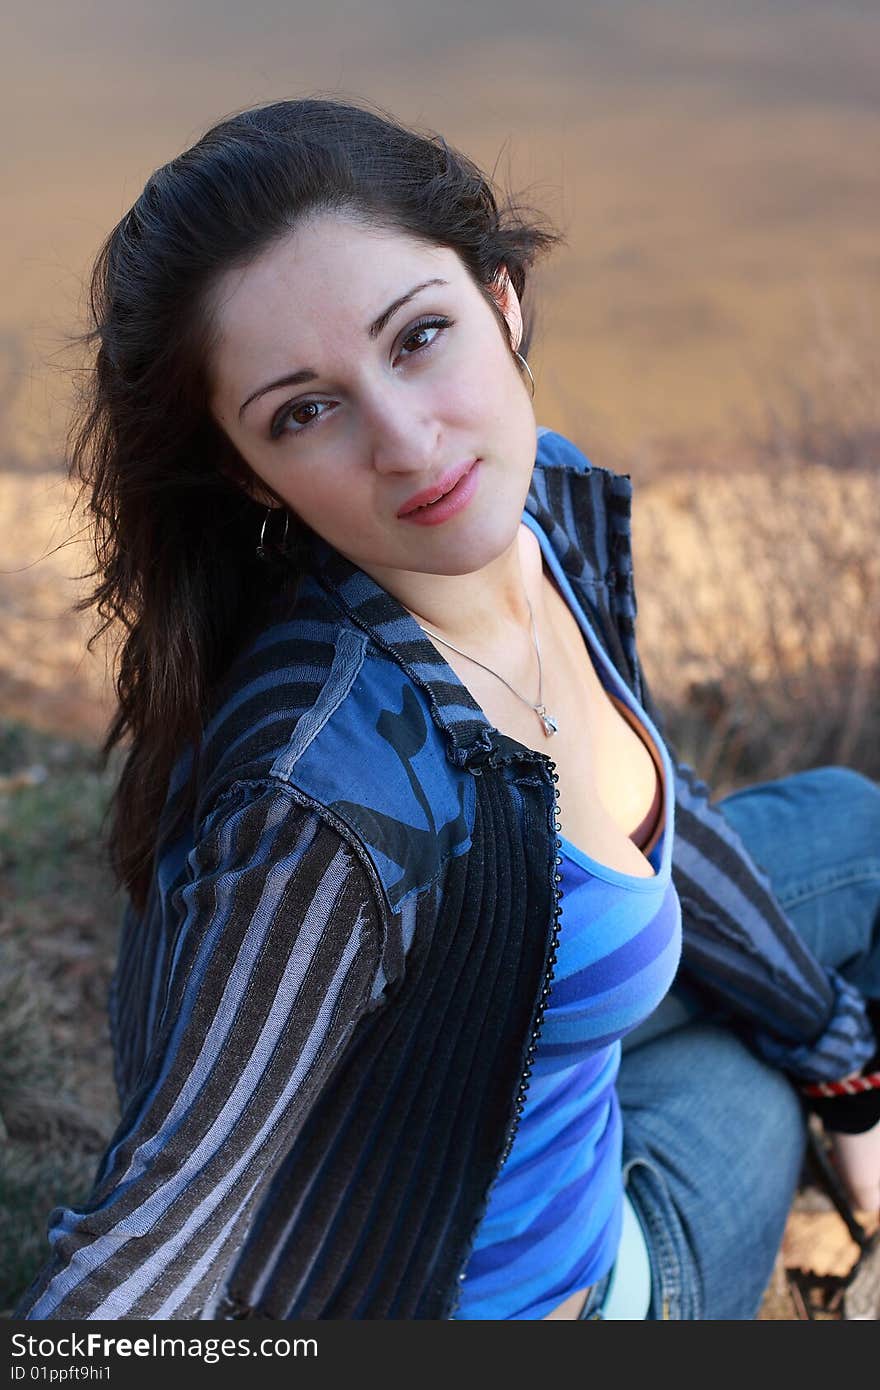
(817, 834)
(847, 782)
(714, 1140)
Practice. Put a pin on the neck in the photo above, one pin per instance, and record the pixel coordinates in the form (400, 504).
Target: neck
(484, 612)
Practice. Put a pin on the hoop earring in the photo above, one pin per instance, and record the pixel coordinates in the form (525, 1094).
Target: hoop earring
(522, 361)
(264, 550)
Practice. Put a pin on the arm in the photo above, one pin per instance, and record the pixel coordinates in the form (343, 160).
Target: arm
(277, 949)
(850, 1112)
(745, 953)
(799, 1015)
(857, 1159)
(740, 946)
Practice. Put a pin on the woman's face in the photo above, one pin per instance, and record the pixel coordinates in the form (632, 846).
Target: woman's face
(389, 397)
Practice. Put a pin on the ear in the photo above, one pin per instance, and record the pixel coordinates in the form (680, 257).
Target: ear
(241, 475)
(257, 493)
(506, 298)
(256, 490)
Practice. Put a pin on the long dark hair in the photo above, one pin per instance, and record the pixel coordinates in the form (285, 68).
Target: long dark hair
(174, 530)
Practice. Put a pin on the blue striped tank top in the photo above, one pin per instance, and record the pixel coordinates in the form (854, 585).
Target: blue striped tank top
(553, 1220)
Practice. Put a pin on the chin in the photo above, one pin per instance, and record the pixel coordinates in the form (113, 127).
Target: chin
(473, 549)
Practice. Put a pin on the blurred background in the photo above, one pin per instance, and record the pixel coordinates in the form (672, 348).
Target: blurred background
(709, 327)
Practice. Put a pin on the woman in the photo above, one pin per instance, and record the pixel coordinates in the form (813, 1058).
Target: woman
(368, 1007)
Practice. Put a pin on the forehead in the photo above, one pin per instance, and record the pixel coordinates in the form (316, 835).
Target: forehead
(331, 272)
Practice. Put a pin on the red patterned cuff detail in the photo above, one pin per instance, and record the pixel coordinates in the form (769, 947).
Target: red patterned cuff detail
(852, 1086)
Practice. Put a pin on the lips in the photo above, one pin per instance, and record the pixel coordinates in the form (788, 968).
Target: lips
(438, 490)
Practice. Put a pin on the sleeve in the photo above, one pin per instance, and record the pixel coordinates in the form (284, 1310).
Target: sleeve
(744, 952)
(852, 1104)
(741, 947)
(277, 951)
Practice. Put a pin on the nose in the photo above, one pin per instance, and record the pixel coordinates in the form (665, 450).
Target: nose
(405, 433)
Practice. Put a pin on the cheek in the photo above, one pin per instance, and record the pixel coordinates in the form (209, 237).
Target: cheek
(327, 504)
(477, 396)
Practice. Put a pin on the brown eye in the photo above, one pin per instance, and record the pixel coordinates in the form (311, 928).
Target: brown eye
(419, 330)
(291, 412)
(309, 405)
(419, 333)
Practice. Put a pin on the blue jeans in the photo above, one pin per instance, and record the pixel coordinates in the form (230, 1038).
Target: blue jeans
(714, 1137)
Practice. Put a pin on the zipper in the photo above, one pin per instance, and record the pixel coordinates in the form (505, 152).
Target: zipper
(525, 1078)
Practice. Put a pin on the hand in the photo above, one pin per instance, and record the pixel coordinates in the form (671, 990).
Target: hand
(857, 1160)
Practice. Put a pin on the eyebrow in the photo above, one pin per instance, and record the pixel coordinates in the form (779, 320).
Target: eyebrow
(373, 331)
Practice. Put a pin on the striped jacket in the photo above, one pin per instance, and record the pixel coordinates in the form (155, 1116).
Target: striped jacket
(324, 1018)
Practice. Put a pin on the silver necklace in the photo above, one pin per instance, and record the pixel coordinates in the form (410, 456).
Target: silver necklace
(549, 723)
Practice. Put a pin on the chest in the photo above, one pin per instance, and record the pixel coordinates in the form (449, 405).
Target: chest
(610, 780)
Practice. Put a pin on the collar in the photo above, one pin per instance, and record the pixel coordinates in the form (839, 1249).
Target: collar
(585, 513)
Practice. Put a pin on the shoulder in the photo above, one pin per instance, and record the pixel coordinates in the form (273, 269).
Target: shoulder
(285, 679)
(262, 849)
(316, 710)
(556, 451)
(568, 489)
